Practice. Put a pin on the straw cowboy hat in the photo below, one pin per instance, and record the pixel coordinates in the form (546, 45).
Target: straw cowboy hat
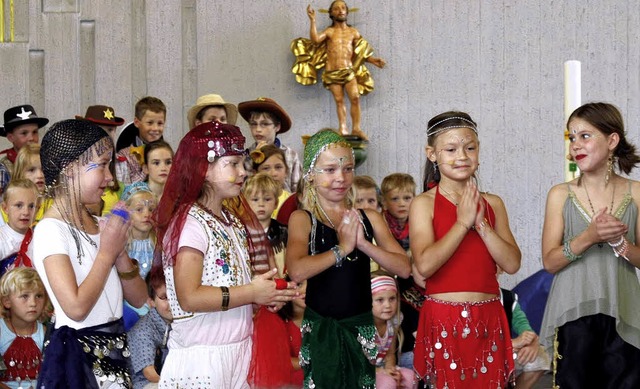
(212, 100)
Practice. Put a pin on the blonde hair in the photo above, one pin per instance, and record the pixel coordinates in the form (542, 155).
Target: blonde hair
(26, 158)
(401, 181)
(19, 183)
(129, 202)
(366, 182)
(18, 280)
(262, 182)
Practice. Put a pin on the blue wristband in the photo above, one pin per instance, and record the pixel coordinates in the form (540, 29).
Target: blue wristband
(123, 213)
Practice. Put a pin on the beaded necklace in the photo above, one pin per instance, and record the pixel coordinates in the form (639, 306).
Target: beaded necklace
(593, 212)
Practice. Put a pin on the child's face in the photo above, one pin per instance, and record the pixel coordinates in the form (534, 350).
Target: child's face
(21, 135)
(161, 303)
(263, 129)
(263, 204)
(274, 166)
(367, 199)
(213, 114)
(385, 304)
(302, 290)
(20, 208)
(226, 176)
(397, 203)
(141, 207)
(333, 173)
(34, 174)
(456, 151)
(26, 305)
(95, 177)
(150, 125)
(158, 165)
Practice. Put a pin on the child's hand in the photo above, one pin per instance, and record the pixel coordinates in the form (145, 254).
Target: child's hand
(606, 227)
(115, 231)
(266, 292)
(348, 230)
(468, 206)
(529, 352)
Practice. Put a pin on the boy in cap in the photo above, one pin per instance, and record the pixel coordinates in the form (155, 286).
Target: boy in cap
(212, 108)
(266, 120)
(21, 125)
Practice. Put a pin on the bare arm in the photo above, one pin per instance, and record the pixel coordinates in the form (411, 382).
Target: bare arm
(135, 289)
(195, 297)
(500, 241)
(300, 264)
(553, 230)
(151, 374)
(386, 252)
(313, 31)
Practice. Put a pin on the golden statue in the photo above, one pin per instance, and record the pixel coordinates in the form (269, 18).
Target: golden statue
(343, 53)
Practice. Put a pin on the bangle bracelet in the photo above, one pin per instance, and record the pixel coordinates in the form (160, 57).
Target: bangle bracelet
(618, 243)
(225, 298)
(131, 274)
(566, 251)
(337, 253)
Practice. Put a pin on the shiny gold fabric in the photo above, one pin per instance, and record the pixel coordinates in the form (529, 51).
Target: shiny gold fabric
(311, 57)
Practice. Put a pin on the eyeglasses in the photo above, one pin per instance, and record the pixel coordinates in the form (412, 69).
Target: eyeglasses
(261, 124)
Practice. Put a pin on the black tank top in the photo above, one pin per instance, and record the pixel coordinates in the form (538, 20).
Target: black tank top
(339, 292)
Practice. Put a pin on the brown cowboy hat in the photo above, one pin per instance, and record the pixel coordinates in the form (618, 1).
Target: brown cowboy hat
(101, 114)
(19, 115)
(212, 100)
(265, 104)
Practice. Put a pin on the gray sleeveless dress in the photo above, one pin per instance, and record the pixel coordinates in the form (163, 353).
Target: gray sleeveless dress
(599, 282)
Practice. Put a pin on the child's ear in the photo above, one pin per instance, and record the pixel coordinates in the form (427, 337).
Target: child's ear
(151, 302)
(6, 303)
(145, 169)
(136, 122)
(431, 153)
(5, 207)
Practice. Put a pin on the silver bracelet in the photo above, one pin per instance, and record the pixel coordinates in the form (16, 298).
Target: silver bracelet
(339, 257)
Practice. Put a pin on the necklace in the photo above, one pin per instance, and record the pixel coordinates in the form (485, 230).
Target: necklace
(224, 219)
(450, 195)
(593, 212)
(326, 217)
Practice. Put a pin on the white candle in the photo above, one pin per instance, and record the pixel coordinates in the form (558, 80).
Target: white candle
(572, 87)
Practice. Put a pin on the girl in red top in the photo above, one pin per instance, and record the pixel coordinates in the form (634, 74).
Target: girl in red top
(458, 235)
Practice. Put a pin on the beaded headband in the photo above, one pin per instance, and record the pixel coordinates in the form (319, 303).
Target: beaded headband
(318, 143)
(134, 188)
(471, 125)
(380, 283)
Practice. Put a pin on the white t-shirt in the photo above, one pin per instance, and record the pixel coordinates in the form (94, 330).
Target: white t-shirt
(10, 241)
(52, 237)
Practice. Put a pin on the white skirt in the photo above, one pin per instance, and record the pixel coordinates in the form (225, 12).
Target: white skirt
(224, 366)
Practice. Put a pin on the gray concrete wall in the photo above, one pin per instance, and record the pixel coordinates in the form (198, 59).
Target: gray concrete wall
(501, 61)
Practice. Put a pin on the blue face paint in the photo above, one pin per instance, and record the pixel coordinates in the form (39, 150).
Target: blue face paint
(92, 166)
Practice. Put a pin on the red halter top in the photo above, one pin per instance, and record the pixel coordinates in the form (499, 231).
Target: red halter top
(471, 267)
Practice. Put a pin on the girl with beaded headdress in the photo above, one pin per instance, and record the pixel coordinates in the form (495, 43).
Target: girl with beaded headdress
(330, 246)
(208, 239)
(457, 236)
(83, 263)
(589, 242)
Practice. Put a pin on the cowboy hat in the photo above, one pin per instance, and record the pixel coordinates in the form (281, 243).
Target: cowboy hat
(212, 100)
(102, 114)
(265, 104)
(19, 115)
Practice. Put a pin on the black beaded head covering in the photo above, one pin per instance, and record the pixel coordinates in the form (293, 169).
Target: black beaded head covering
(64, 143)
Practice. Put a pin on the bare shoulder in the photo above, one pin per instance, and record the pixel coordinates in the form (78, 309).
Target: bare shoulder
(354, 31)
(561, 191)
(635, 190)
(424, 202)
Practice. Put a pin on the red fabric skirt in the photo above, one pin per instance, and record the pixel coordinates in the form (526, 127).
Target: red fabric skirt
(464, 345)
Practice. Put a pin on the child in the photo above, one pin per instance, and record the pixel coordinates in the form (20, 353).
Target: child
(387, 318)
(141, 203)
(532, 361)
(148, 126)
(21, 125)
(271, 160)
(266, 120)
(19, 204)
(367, 193)
(84, 267)
(21, 332)
(205, 258)
(28, 167)
(212, 108)
(398, 190)
(330, 247)
(261, 192)
(275, 360)
(458, 235)
(590, 242)
(158, 157)
(105, 117)
(148, 338)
